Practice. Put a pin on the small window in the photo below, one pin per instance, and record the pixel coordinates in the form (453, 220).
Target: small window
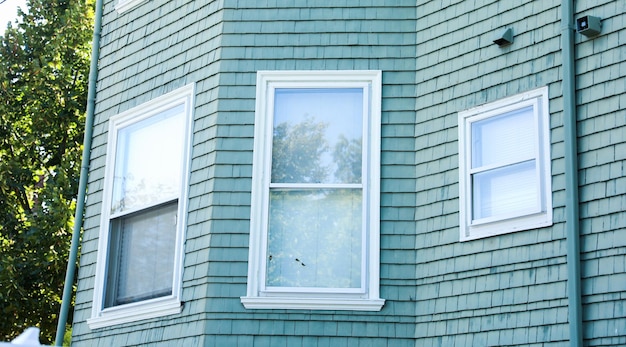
(140, 249)
(125, 5)
(314, 238)
(505, 180)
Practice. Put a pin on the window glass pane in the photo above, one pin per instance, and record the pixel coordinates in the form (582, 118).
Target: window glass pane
(148, 160)
(315, 238)
(317, 135)
(504, 139)
(141, 259)
(506, 190)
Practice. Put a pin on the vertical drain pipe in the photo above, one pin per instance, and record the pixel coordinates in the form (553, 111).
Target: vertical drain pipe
(572, 219)
(84, 173)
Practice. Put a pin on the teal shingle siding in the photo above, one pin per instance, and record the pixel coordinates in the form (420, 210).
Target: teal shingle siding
(144, 55)
(437, 58)
(500, 290)
(601, 91)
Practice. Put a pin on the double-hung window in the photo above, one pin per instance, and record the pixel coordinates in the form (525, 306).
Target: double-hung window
(314, 237)
(505, 179)
(143, 213)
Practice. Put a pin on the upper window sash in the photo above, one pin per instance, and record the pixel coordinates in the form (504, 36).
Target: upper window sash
(327, 87)
(506, 158)
(146, 177)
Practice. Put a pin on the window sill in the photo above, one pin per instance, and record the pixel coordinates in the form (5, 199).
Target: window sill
(507, 226)
(290, 303)
(135, 312)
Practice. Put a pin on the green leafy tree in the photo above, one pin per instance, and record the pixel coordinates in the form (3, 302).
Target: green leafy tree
(44, 67)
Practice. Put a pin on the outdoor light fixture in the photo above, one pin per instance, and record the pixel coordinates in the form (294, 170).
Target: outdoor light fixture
(505, 39)
(589, 25)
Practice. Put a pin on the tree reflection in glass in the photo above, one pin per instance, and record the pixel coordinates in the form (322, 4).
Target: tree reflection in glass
(315, 238)
(307, 124)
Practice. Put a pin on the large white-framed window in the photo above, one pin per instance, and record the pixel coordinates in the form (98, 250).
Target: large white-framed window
(140, 246)
(504, 166)
(314, 233)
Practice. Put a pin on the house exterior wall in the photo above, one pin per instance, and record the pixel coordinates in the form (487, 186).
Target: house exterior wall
(601, 95)
(437, 59)
(508, 289)
(144, 54)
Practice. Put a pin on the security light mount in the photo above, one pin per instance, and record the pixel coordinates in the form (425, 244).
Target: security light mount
(589, 25)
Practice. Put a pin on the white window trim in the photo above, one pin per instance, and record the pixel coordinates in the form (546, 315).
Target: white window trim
(125, 5)
(314, 298)
(167, 305)
(523, 221)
